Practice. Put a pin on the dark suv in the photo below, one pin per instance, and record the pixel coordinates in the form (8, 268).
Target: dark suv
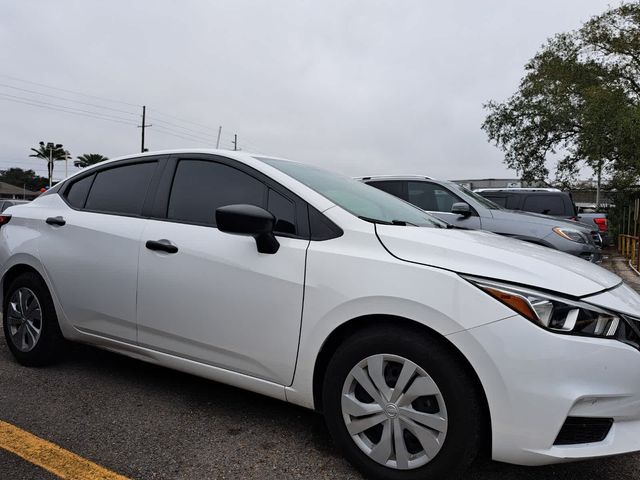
(547, 201)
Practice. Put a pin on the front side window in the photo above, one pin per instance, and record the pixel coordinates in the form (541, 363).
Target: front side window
(121, 189)
(285, 212)
(431, 196)
(200, 187)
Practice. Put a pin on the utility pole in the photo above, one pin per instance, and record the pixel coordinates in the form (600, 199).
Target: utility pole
(50, 163)
(235, 142)
(219, 133)
(51, 147)
(143, 126)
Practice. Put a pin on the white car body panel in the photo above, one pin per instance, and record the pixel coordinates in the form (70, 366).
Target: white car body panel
(494, 256)
(212, 321)
(536, 375)
(92, 264)
(533, 379)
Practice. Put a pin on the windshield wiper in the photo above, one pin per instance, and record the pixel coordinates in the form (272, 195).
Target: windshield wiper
(401, 223)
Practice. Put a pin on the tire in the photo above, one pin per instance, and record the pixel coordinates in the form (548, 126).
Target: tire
(454, 399)
(29, 293)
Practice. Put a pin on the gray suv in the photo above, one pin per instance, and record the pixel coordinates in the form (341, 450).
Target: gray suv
(461, 207)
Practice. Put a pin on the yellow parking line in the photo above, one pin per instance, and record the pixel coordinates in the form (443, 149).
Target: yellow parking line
(51, 457)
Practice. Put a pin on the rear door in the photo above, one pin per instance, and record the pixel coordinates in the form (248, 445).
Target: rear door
(214, 298)
(90, 247)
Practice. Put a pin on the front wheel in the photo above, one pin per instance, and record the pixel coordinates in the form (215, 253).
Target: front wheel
(401, 406)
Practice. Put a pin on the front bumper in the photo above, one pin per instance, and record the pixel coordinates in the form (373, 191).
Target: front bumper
(535, 379)
(588, 251)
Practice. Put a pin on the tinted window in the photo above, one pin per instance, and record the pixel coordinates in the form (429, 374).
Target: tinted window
(430, 196)
(498, 200)
(77, 192)
(121, 189)
(392, 187)
(285, 212)
(546, 204)
(200, 187)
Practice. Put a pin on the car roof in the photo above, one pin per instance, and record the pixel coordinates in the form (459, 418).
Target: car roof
(393, 177)
(519, 190)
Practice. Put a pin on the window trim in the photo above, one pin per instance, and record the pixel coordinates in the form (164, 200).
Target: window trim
(63, 188)
(160, 204)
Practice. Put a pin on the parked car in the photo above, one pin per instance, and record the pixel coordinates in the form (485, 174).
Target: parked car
(601, 223)
(4, 204)
(548, 201)
(419, 343)
(463, 208)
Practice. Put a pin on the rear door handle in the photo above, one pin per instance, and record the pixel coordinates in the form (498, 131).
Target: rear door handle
(162, 246)
(56, 221)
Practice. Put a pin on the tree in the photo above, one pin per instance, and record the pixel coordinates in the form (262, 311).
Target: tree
(23, 178)
(87, 159)
(51, 153)
(578, 103)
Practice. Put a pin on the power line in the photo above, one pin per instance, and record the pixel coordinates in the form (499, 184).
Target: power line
(75, 92)
(168, 127)
(161, 129)
(62, 108)
(68, 99)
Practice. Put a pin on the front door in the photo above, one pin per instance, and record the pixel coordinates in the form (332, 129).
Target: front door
(215, 299)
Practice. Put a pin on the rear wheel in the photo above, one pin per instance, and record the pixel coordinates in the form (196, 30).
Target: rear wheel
(401, 406)
(30, 323)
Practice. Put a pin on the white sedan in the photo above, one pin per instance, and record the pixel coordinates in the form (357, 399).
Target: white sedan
(420, 343)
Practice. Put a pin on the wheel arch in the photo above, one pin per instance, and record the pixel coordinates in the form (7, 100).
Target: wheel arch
(351, 327)
(13, 272)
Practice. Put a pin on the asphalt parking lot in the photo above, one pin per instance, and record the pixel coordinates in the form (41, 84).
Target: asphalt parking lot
(148, 422)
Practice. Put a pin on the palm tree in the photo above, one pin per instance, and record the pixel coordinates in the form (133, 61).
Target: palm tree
(50, 152)
(87, 159)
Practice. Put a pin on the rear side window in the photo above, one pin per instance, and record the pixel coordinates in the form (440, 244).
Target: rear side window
(545, 204)
(498, 199)
(77, 192)
(121, 189)
(200, 187)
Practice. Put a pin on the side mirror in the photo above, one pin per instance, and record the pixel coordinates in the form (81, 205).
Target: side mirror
(461, 208)
(249, 220)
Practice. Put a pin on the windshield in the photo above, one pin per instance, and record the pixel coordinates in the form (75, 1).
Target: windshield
(367, 203)
(485, 202)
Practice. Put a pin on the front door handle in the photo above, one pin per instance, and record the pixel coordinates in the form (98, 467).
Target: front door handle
(162, 246)
(59, 221)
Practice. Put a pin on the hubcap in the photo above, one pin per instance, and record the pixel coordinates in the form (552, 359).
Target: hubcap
(24, 318)
(394, 411)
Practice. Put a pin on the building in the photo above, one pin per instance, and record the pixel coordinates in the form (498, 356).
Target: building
(8, 191)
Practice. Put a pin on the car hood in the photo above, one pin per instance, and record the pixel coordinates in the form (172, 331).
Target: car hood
(537, 218)
(493, 256)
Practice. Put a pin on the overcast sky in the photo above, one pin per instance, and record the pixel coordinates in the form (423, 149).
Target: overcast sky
(362, 87)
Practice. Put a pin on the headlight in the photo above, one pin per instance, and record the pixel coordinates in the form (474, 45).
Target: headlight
(571, 234)
(562, 315)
